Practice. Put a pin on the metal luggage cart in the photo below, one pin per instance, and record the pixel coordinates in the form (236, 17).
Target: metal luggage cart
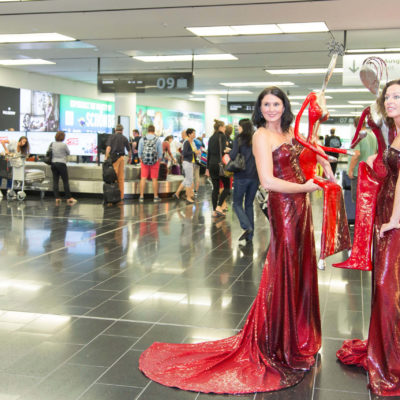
(21, 179)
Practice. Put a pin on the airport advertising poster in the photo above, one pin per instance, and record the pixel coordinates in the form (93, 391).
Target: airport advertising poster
(39, 111)
(86, 115)
(168, 122)
(79, 145)
(9, 108)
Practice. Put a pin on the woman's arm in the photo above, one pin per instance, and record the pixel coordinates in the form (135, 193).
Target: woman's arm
(394, 222)
(262, 150)
(235, 149)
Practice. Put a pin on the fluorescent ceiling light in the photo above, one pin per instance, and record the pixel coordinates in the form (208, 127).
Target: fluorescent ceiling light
(304, 27)
(217, 92)
(26, 61)
(267, 29)
(342, 115)
(360, 101)
(345, 106)
(34, 37)
(187, 57)
(301, 71)
(388, 50)
(304, 97)
(345, 90)
(212, 31)
(196, 99)
(256, 84)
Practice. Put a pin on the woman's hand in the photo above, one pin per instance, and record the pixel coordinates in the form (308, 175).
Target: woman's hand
(389, 226)
(371, 159)
(310, 186)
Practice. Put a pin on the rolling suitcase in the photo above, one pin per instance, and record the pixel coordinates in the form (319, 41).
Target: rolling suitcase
(111, 192)
(163, 172)
(175, 170)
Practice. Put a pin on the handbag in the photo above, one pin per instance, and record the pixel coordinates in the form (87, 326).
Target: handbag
(238, 164)
(223, 172)
(48, 158)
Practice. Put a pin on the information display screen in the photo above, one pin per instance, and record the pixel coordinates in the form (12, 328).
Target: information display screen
(152, 82)
(80, 144)
(79, 114)
(240, 107)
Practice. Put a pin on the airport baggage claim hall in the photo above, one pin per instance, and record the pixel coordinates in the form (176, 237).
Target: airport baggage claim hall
(86, 287)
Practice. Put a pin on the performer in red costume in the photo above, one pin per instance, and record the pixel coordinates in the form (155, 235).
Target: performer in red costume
(282, 334)
(380, 353)
(370, 178)
(335, 236)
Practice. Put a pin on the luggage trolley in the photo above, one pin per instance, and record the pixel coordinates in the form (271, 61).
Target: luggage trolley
(31, 178)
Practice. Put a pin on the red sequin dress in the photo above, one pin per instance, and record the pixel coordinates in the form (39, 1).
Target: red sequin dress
(282, 334)
(380, 354)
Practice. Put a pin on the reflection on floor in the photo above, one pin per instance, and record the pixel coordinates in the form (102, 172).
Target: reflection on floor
(84, 289)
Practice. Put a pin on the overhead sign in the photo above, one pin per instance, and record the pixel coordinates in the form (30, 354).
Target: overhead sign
(240, 107)
(154, 82)
(352, 65)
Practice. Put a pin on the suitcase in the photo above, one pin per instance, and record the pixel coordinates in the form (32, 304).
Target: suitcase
(175, 170)
(163, 172)
(350, 207)
(111, 193)
(109, 175)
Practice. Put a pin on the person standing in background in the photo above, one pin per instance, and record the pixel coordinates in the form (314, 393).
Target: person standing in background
(333, 141)
(365, 148)
(116, 145)
(59, 168)
(135, 146)
(245, 183)
(150, 155)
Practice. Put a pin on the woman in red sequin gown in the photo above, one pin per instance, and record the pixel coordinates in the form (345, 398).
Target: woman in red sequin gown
(282, 334)
(380, 353)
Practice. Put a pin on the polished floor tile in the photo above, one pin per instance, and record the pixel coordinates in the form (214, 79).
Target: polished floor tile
(85, 289)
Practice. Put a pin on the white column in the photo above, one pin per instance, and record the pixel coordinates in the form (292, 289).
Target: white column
(125, 104)
(212, 110)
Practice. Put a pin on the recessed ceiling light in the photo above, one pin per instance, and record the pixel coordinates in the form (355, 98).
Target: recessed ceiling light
(26, 61)
(345, 106)
(216, 92)
(34, 37)
(360, 101)
(345, 90)
(388, 50)
(304, 27)
(267, 29)
(304, 97)
(187, 57)
(296, 71)
(256, 84)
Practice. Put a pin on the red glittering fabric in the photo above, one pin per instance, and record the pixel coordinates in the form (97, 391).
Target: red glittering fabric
(383, 346)
(281, 336)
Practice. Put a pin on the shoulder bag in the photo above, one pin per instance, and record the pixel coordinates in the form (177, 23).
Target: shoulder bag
(48, 158)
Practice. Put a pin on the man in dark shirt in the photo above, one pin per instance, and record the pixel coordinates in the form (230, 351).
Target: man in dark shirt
(335, 142)
(135, 146)
(116, 145)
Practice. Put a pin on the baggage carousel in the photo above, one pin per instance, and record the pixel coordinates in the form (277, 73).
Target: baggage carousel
(88, 179)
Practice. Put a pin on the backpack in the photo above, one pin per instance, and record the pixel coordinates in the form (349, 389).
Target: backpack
(149, 155)
(334, 142)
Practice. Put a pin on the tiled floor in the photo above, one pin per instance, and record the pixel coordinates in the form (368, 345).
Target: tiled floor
(85, 289)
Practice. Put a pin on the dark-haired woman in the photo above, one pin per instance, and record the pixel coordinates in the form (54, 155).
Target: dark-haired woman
(216, 148)
(380, 354)
(59, 168)
(245, 183)
(282, 333)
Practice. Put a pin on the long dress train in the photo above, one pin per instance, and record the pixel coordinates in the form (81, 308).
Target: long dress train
(282, 334)
(380, 354)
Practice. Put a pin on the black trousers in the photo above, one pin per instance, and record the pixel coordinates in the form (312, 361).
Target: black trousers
(216, 198)
(60, 169)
